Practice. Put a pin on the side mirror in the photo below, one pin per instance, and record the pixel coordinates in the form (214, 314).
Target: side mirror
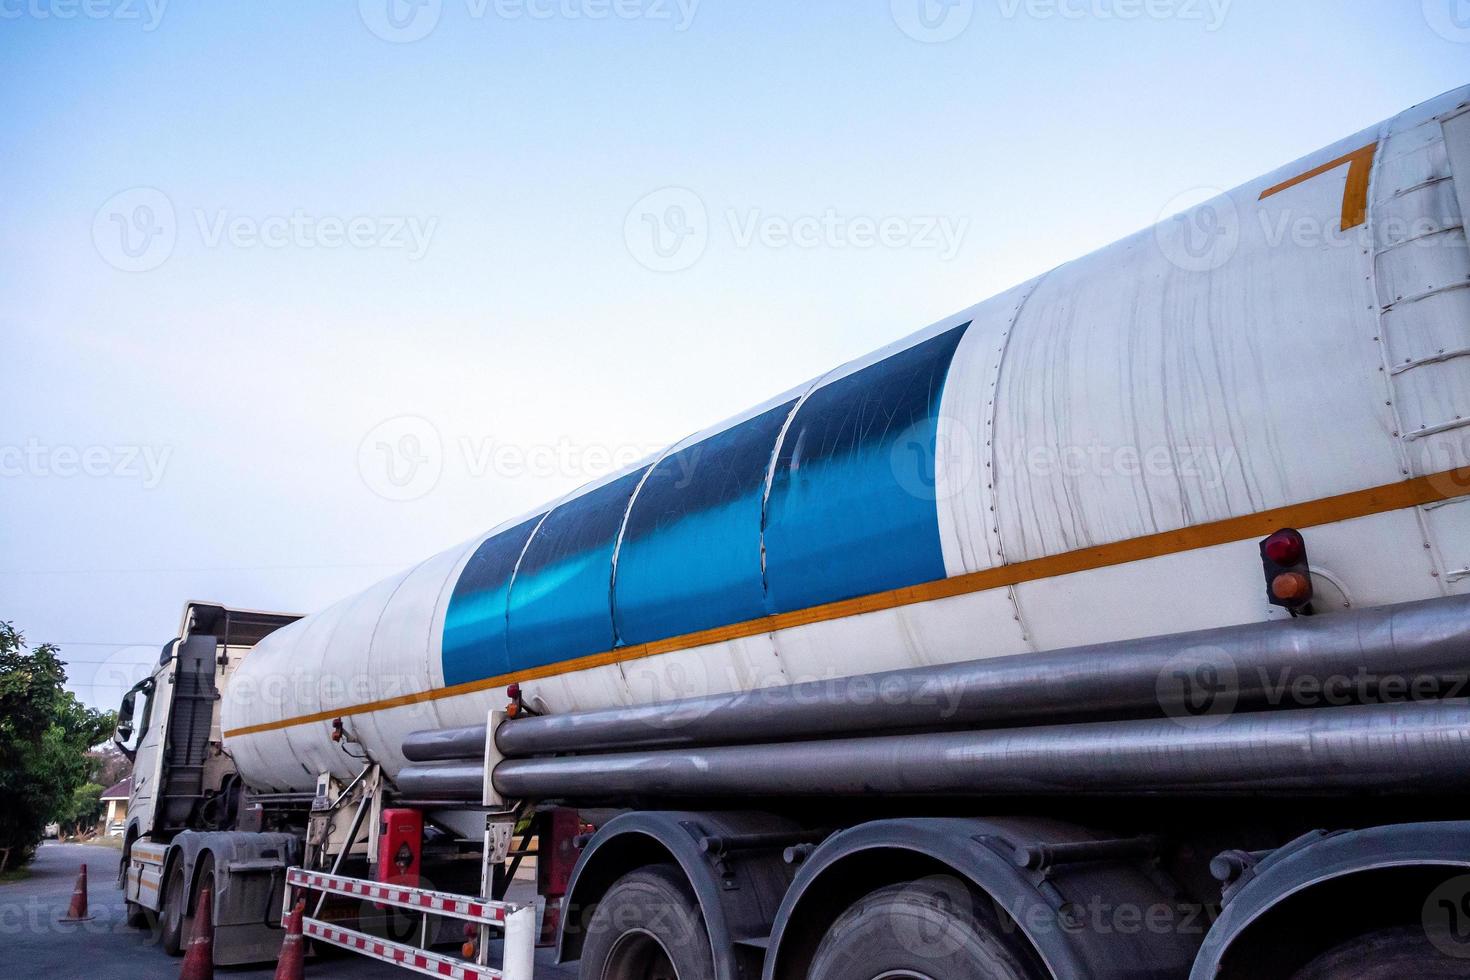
(122, 736)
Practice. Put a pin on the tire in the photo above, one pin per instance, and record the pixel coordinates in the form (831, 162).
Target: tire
(203, 879)
(934, 929)
(1387, 954)
(135, 916)
(171, 915)
(647, 927)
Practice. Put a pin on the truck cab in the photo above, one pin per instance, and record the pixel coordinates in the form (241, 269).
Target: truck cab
(168, 724)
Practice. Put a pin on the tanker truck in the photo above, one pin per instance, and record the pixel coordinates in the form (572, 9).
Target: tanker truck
(1117, 626)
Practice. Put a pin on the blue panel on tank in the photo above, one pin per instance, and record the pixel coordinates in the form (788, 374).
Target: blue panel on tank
(474, 625)
(852, 506)
(561, 602)
(691, 553)
(851, 511)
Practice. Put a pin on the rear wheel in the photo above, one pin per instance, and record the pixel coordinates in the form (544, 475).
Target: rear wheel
(647, 927)
(1387, 954)
(931, 929)
(205, 880)
(171, 915)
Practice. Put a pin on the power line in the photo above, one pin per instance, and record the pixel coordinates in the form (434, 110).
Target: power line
(149, 650)
(97, 663)
(218, 568)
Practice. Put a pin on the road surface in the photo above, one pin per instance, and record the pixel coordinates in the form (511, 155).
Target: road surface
(35, 945)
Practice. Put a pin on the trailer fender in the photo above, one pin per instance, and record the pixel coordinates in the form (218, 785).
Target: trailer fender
(1105, 919)
(1325, 888)
(738, 894)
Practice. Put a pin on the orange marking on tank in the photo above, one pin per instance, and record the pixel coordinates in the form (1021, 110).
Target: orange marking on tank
(1354, 196)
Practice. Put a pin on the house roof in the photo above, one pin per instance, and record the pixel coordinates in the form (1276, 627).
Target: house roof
(119, 791)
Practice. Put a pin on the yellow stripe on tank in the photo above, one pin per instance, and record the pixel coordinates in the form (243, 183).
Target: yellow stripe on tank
(1445, 485)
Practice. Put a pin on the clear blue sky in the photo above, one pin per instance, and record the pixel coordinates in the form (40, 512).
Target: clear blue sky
(236, 238)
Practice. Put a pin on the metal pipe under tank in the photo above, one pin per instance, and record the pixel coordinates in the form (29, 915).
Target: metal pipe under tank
(1377, 748)
(1387, 653)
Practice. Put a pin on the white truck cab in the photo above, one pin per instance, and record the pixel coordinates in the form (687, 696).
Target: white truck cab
(169, 725)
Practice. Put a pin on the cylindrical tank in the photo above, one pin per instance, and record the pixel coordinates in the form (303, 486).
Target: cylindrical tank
(1090, 456)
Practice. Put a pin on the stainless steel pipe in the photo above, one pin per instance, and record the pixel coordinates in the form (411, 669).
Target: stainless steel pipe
(435, 744)
(1419, 650)
(442, 781)
(1377, 748)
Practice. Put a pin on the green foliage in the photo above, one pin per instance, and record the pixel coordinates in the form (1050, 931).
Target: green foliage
(45, 733)
(83, 810)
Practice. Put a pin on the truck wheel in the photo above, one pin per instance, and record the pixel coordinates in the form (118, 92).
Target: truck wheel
(931, 929)
(647, 927)
(171, 917)
(205, 880)
(1388, 954)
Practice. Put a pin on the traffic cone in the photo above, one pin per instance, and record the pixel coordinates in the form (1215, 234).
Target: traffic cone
(199, 960)
(292, 964)
(77, 911)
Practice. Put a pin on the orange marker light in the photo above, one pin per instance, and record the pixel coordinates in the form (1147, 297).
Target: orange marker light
(1291, 587)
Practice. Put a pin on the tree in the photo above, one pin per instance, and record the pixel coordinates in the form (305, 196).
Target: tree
(109, 765)
(45, 733)
(105, 767)
(78, 816)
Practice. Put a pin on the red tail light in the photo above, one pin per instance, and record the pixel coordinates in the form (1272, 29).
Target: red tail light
(1285, 547)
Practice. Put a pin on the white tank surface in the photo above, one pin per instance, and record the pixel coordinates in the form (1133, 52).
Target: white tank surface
(1090, 456)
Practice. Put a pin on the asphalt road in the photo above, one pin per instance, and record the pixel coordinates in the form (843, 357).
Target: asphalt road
(35, 945)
